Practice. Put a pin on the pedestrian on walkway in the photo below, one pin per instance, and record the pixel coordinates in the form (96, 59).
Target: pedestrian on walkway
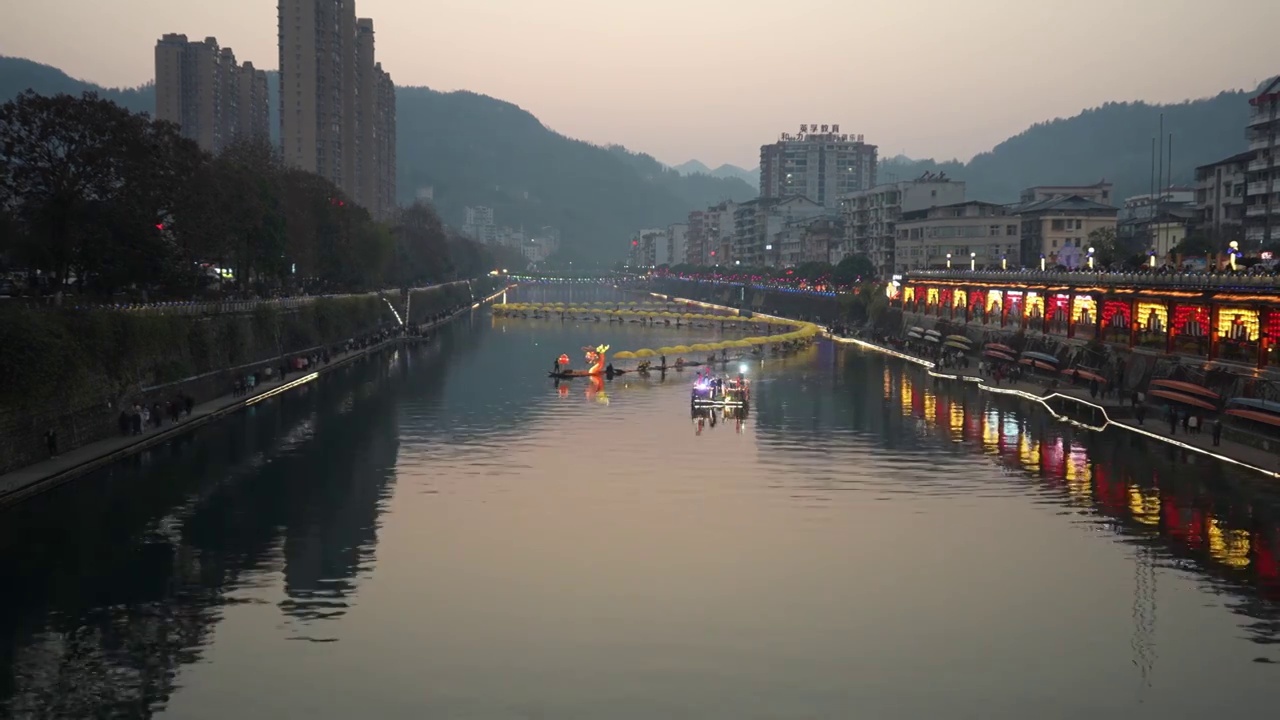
(1186, 421)
(1193, 425)
(51, 442)
(188, 403)
(124, 423)
(1173, 421)
(1139, 411)
(1093, 389)
(1217, 432)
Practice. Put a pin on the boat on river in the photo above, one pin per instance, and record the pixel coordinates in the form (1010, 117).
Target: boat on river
(721, 393)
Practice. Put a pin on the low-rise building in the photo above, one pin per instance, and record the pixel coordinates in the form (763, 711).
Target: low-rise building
(871, 216)
(1099, 192)
(1148, 205)
(973, 231)
(1058, 229)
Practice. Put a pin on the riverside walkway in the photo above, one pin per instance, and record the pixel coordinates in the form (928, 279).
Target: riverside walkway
(38, 477)
(1108, 412)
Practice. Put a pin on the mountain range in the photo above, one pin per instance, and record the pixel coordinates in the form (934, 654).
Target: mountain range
(470, 149)
(694, 167)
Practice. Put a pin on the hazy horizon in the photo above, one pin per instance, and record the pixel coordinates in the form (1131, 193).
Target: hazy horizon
(710, 80)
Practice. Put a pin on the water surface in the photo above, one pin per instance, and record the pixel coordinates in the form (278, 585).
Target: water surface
(442, 532)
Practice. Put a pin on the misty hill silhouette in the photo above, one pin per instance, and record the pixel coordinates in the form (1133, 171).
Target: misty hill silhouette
(476, 150)
(696, 167)
(1112, 142)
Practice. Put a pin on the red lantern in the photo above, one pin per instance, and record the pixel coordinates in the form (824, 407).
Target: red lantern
(564, 359)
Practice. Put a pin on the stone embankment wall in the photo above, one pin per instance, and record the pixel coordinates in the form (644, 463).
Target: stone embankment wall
(72, 371)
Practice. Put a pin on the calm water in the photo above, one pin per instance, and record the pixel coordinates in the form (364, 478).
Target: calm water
(442, 533)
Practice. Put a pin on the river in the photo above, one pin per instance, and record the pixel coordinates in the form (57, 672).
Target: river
(441, 532)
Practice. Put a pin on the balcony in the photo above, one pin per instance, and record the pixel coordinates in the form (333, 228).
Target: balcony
(1262, 163)
(1262, 141)
(1262, 187)
(1261, 210)
(1260, 117)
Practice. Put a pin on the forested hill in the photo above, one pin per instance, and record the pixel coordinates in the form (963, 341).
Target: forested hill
(476, 150)
(1112, 142)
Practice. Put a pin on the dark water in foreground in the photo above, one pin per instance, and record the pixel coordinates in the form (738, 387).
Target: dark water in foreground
(441, 533)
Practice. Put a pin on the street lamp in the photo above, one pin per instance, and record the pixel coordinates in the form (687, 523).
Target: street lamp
(1041, 262)
(1090, 258)
(1153, 259)
(948, 261)
(973, 261)
(1004, 262)
(1235, 248)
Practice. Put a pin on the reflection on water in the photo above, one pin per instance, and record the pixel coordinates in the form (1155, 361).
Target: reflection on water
(444, 532)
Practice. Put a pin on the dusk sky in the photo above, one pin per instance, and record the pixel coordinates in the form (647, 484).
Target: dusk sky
(714, 79)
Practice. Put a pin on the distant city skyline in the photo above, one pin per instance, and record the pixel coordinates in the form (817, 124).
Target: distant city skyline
(696, 79)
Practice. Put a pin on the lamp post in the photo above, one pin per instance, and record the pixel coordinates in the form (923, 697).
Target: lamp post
(948, 261)
(1090, 258)
(1153, 260)
(1004, 262)
(973, 261)
(1235, 248)
(1041, 262)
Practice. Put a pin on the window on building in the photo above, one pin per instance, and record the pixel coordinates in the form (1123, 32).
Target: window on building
(1057, 225)
(1079, 224)
(1011, 230)
(1053, 243)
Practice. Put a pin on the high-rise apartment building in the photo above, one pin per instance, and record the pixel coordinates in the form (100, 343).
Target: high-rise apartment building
(819, 163)
(337, 105)
(1262, 174)
(202, 89)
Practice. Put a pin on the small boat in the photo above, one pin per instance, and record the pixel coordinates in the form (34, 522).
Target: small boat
(580, 373)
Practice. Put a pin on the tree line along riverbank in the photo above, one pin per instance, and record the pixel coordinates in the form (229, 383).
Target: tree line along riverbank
(72, 371)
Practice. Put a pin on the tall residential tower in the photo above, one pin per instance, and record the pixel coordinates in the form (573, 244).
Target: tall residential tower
(200, 87)
(819, 163)
(337, 106)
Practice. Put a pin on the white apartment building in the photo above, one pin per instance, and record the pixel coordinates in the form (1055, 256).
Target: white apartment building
(717, 233)
(1262, 174)
(757, 222)
(677, 243)
(648, 248)
(1220, 198)
(819, 163)
(806, 240)
(871, 216)
(976, 233)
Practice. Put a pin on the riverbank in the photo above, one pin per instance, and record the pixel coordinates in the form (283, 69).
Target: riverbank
(1070, 404)
(1102, 413)
(49, 473)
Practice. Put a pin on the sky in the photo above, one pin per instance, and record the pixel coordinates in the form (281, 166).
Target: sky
(715, 79)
